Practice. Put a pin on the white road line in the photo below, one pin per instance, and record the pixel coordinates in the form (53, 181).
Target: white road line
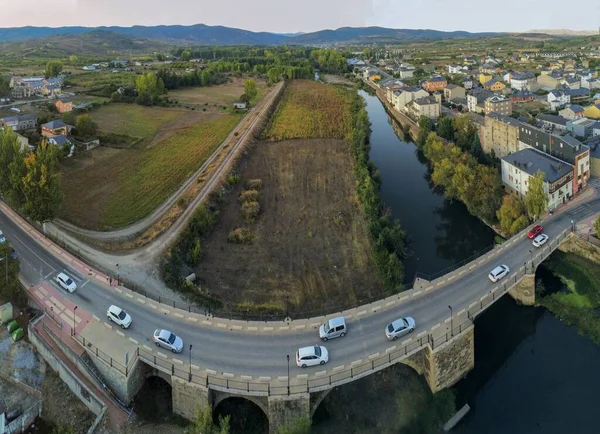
(84, 283)
(34, 254)
(210, 371)
(48, 275)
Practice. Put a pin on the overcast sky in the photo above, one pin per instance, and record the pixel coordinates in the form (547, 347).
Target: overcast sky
(286, 16)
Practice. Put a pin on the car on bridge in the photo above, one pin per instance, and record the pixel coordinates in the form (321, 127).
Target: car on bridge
(312, 356)
(66, 282)
(399, 328)
(540, 240)
(166, 339)
(535, 231)
(118, 316)
(498, 273)
(2, 237)
(334, 328)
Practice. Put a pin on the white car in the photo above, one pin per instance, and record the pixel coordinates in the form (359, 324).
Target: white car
(540, 240)
(66, 282)
(498, 273)
(399, 328)
(2, 238)
(118, 316)
(312, 356)
(168, 340)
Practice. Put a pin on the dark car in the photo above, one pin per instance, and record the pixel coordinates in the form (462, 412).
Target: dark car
(535, 231)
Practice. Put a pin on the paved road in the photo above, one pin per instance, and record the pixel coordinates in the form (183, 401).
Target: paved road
(259, 354)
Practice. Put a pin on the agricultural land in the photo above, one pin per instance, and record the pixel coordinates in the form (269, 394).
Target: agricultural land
(292, 226)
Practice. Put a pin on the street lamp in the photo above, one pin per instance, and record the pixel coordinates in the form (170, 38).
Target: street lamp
(5, 259)
(190, 363)
(118, 280)
(288, 376)
(74, 309)
(451, 322)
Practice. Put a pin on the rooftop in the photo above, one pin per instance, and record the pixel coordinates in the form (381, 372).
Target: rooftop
(559, 120)
(530, 161)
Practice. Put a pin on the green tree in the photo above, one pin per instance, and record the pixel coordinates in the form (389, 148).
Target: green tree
(186, 55)
(41, 184)
(203, 424)
(73, 59)
(446, 128)
(300, 425)
(69, 118)
(12, 158)
(466, 131)
(536, 198)
(85, 126)
(53, 68)
(512, 215)
(10, 287)
(425, 127)
(244, 97)
(4, 86)
(150, 88)
(250, 88)
(273, 75)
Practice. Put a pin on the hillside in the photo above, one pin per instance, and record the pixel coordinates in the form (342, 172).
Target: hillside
(99, 42)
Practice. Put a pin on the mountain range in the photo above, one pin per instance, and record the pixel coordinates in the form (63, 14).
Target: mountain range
(201, 34)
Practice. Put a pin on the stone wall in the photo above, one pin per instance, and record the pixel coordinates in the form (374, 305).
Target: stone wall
(188, 397)
(594, 166)
(451, 361)
(524, 291)
(580, 247)
(285, 409)
(501, 137)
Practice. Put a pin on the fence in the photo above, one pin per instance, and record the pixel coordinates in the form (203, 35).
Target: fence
(25, 419)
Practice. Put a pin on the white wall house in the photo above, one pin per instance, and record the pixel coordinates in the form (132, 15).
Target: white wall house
(558, 99)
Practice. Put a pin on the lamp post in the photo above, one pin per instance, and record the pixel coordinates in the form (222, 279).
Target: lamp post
(288, 376)
(572, 226)
(190, 363)
(5, 259)
(451, 322)
(74, 309)
(118, 279)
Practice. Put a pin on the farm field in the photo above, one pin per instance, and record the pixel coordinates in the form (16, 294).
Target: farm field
(110, 188)
(310, 240)
(223, 94)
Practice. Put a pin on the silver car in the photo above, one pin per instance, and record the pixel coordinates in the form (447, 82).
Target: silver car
(540, 240)
(399, 328)
(168, 340)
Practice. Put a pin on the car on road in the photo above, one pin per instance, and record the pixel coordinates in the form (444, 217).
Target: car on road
(66, 282)
(312, 356)
(166, 339)
(498, 273)
(334, 328)
(2, 237)
(540, 240)
(118, 316)
(535, 231)
(399, 328)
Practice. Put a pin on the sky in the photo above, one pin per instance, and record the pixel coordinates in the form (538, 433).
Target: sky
(286, 16)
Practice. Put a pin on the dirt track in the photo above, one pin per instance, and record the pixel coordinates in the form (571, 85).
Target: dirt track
(311, 239)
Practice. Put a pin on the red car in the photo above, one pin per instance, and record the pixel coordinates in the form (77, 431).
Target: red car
(535, 231)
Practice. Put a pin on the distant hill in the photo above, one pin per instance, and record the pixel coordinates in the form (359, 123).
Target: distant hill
(564, 32)
(91, 42)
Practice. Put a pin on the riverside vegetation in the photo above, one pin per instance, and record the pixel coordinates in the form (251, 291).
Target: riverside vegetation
(305, 112)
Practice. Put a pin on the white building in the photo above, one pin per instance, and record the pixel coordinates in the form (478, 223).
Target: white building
(402, 97)
(522, 81)
(558, 99)
(518, 168)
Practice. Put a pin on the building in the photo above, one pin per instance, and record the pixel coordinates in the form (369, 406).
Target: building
(592, 112)
(549, 81)
(434, 84)
(402, 97)
(572, 82)
(467, 83)
(20, 123)
(453, 91)
(239, 104)
(563, 147)
(522, 81)
(59, 141)
(577, 96)
(522, 96)
(498, 104)
(56, 128)
(484, 78)
(499, 135)
(404, 72)
(494, 85)
(572, 112)
(428, 106)
(476, 100)
(558, 99)
(64, 105)
(581, 127)
(520, 167)
(552, 122)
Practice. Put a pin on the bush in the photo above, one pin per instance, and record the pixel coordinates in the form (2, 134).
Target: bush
(253, 184)
(249, 196)
(250, 211)
(240, 236)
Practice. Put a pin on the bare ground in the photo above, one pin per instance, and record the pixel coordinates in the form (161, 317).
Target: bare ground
(311, 240)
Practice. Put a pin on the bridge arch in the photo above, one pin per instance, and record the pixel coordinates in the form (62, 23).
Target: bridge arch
(154, 399)
(247, 412)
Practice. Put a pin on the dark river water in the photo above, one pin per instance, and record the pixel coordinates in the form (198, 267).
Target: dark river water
(532, 373)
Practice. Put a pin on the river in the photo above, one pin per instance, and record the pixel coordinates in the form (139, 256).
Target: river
(532, 373)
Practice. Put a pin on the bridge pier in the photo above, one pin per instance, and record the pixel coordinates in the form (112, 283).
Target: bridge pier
(524, 291)
(189, 397)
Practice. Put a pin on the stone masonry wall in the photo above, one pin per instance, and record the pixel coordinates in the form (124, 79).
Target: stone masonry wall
(451, 361)
(188, 397)
(524, 291)
(580, 247)
(285, 409)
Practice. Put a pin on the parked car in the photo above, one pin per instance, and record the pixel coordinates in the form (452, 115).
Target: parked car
(399, 328)
(498, 273)
(168, 340)
(66, 282)
(312, 356)
(2, 237)
(540, 240)
(535, 231)
(335, 327)
(118, 316)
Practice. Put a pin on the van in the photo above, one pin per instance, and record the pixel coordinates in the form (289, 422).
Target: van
(333, 328)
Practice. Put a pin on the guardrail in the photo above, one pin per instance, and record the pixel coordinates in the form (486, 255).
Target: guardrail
(392, 355)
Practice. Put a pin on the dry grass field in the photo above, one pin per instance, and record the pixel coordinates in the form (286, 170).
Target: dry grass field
(110, 188)
(223, 94)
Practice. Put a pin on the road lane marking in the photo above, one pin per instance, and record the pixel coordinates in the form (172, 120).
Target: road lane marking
(282, 378)
(302, 377)
(120, 333)
(34, 254)
(483, 298)
(376, 308)
(57, 303)
(48, 275)
(362, 312)
(177, 315)
(246, 377)
(264, 378)
(417, 293)
(252, 328)
(210, 371)
(96, 318)
(164, 356)
(390, 349)
(338, 368)
(373, 356)
(389, 303)
(267, 329)
(197, 368)
(85, 283)
(153, 306)
(228, 375)
(205, 322)
(298, 327)
(134, 341)
(406, 342)
(284, 328)
(141, 300)
(320, 373)
(120, 291)
(221, 325)
(236, 327)
(177, 361)
(108, 326)
(460, 312)
(405, 297)
(420, 335)
(128, 295)
(447, 320)
(435, 327)
(165, 311)
(316, 324)
(147, 348)
(356, 362)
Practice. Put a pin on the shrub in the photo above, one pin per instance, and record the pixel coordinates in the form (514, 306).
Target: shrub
(233, 179)
(253, 184)
(250, 211)
(240, 236)
(248, 196)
